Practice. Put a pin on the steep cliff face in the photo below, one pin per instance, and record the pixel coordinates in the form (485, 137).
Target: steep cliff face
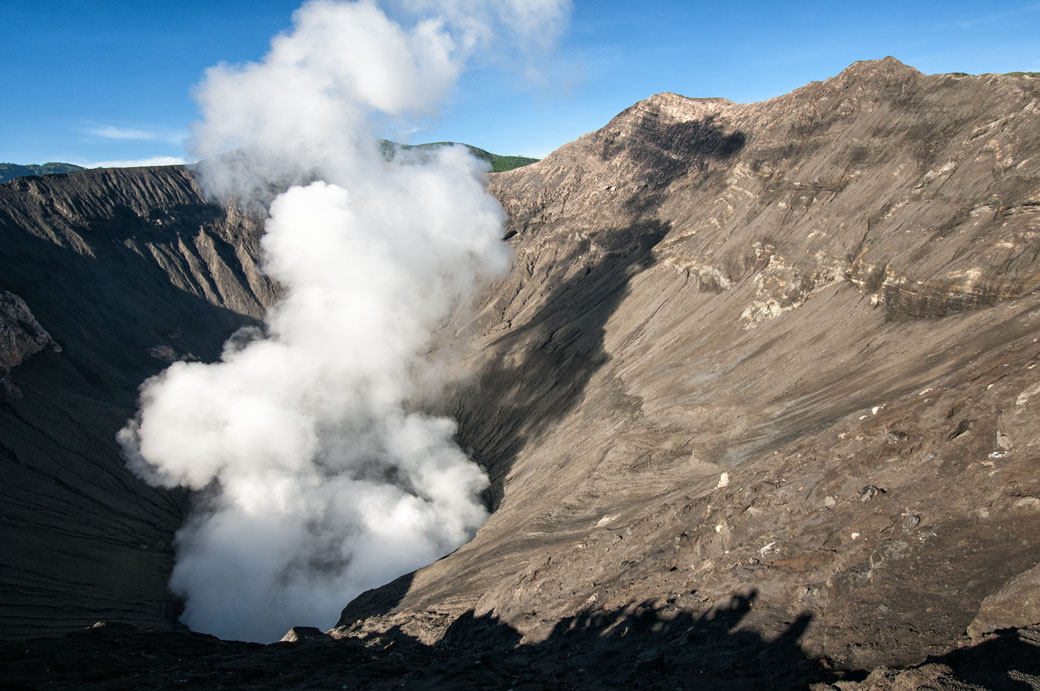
(762, 381)
(787, 347)
(105, 277)
(21, 337)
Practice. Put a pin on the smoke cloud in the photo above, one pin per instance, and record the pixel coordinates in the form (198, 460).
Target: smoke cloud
(318, 477)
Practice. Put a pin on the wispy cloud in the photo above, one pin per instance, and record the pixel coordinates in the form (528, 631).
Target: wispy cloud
(136, 163)
(138, 134)
(996, 17)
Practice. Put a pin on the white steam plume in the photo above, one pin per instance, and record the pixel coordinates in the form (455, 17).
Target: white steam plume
(321, 480)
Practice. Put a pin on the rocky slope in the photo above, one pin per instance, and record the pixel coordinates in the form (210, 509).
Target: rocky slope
(787, 347)
(758, 400)
(105, 277)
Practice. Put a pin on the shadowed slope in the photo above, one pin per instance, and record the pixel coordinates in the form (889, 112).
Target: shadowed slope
(126, 270)
(638, 647)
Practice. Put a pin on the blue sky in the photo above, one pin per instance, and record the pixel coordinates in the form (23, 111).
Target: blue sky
(90, 81)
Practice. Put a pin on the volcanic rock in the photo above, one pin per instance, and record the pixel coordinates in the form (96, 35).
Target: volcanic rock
(298, 634)
(21, 337)
(111, 262)
(829, 299)
(812, 294)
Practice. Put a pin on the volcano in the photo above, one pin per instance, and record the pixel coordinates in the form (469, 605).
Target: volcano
(758, 401)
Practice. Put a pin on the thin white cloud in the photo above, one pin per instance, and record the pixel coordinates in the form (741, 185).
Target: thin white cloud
(136, 163)
(996, 17)
(138, 134)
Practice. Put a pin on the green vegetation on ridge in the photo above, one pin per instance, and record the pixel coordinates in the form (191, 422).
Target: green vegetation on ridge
(499, 164)
(10, 171)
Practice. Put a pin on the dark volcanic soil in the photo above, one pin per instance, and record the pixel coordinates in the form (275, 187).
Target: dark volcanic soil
(638, 648)
(124, 271)
(759, 401)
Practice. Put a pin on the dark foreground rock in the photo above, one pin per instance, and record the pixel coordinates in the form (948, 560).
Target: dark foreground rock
(638, 648)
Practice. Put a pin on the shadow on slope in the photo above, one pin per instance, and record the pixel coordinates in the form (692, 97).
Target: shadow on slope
(376, 601)
(664, 153)
(639, 646)
(636, 647)
(541, 368)
(1009, 660)
(83, 538)
(106, 308)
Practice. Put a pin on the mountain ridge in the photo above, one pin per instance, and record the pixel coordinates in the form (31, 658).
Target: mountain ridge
(710, 205)
(499, 162)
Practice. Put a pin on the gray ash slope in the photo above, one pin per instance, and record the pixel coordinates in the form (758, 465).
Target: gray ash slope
(785, 351)
(830, 298)
(119, 271)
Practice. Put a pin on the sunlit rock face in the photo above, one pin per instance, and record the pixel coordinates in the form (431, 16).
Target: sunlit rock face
(785, 347)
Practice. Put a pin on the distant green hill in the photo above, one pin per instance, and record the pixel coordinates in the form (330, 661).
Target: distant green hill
(498, 163)
(10, 171)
